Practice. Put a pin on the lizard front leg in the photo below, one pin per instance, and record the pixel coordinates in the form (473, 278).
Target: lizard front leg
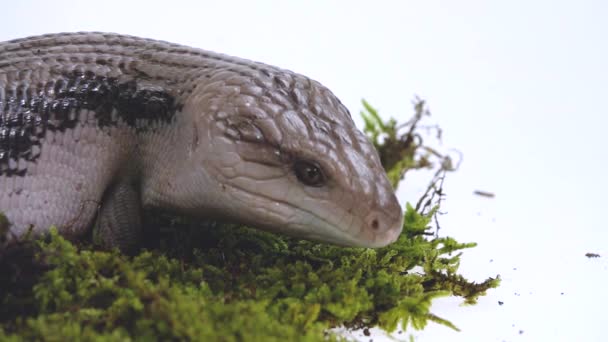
(118, 223)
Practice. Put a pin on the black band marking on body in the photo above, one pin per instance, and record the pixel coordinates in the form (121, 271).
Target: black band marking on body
(27, 111)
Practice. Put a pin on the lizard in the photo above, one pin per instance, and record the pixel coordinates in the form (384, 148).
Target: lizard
(95, 127)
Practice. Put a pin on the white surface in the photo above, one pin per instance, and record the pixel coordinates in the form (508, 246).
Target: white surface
(521, 87)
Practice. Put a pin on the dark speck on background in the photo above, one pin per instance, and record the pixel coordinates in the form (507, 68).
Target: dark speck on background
(484, 194)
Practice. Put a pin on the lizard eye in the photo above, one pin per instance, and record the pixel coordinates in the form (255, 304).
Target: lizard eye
(309, 173)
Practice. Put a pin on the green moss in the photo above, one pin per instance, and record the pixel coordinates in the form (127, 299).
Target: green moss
(228, 283)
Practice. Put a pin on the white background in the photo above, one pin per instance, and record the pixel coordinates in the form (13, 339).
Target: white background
(520, 87)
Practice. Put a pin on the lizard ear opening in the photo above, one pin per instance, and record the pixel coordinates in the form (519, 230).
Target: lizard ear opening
(195, 140)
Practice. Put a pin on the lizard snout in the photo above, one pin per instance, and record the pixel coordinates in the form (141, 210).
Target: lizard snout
(383, 228)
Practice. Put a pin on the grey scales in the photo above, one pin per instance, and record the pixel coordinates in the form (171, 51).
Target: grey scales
(95, 127)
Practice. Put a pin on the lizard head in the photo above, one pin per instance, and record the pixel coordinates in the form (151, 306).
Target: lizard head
(278, 151)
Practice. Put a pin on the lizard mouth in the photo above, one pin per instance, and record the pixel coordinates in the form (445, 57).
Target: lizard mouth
(285, 218)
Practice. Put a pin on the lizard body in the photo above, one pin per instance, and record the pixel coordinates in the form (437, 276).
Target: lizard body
(96, 126)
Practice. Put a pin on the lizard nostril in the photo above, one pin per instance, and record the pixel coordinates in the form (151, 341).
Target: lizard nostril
(375, 224)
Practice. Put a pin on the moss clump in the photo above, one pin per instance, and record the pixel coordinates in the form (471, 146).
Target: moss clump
(210, 282)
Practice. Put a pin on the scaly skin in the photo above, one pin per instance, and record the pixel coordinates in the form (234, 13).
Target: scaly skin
(94, 126)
